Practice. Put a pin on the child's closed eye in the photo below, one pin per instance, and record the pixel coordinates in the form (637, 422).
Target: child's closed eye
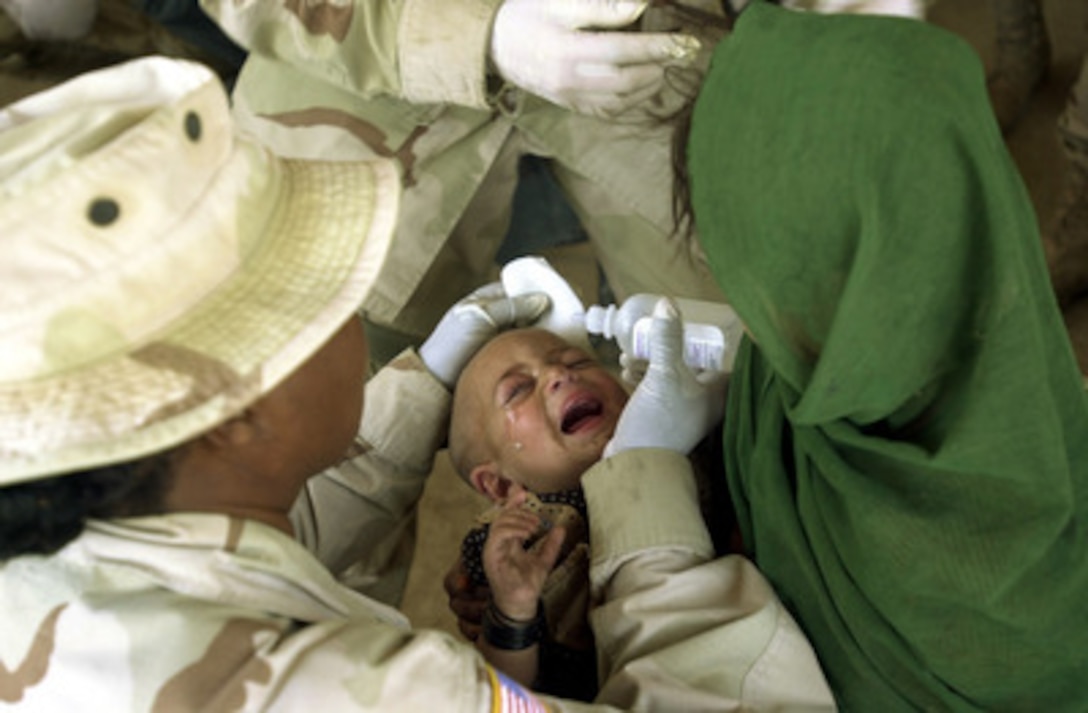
(514, 389)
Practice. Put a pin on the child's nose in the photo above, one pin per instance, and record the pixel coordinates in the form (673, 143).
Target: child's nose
(558, 375)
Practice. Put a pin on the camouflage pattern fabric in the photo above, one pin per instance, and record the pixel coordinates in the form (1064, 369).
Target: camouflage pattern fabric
(189, 612)
(362, 79)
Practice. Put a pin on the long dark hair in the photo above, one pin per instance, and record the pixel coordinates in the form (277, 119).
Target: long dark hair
(683, 216)
(682, 211)
(41, 516)
(710, 27)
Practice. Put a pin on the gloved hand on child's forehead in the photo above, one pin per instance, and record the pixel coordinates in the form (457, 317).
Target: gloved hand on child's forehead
(471, 322)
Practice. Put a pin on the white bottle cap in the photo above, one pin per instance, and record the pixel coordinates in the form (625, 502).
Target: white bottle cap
(596, 322)
(566, 315)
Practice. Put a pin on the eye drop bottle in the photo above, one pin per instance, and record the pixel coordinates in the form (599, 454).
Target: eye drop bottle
(712, 330)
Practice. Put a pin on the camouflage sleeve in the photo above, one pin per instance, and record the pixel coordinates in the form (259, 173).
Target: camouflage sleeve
(424, 51)
(443, 50)
(358, 518)
(407, 414)
(352, 666)
(663, 602)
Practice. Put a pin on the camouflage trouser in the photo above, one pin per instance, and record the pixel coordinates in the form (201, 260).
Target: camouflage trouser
(459, 171)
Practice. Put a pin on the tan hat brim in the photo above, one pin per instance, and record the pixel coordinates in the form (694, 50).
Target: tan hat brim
(317, 256)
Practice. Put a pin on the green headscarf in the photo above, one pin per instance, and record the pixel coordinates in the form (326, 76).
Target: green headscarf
(907, 446)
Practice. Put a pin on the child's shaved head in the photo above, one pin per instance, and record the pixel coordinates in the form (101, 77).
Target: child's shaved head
(533, 409)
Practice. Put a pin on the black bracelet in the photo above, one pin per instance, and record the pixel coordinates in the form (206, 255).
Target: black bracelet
(508, 634)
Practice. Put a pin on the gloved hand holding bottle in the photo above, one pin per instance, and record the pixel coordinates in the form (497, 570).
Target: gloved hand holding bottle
(712, 332)
(568, 52)
(672, 407)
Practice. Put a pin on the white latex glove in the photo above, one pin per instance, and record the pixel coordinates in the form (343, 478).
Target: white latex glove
(471, 322)
(906, 8)
(561, 50)
(672, 407)
(632, 369)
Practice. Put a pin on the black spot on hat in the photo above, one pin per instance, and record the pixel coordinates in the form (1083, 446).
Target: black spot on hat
(103, 211)
(193, 126)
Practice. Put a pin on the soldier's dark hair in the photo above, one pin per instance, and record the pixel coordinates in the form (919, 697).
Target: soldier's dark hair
(41, 516)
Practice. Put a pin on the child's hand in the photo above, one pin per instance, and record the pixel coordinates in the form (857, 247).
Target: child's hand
(517, 574)
(466, 601)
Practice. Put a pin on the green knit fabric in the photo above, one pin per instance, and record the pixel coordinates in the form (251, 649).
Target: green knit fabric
(907, 445)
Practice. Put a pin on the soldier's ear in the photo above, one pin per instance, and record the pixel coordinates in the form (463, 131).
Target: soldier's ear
(238, 430)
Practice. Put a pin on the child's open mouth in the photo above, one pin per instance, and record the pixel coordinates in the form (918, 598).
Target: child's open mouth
(580, 413)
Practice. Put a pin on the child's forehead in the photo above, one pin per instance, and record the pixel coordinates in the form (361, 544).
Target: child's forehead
(524, 343)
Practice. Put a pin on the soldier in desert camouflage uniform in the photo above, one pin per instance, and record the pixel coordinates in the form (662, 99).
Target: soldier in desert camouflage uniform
(179, 352)
(355, 80)
(425, 82)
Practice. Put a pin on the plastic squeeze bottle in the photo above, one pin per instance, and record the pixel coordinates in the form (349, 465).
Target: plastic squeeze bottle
(712, 330)
(565, 316)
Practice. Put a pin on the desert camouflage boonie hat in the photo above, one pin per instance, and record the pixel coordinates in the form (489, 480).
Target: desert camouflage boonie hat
(159, 272)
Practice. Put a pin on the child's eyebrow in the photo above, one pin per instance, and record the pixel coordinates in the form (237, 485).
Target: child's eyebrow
(555, 353)
(512, 370)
